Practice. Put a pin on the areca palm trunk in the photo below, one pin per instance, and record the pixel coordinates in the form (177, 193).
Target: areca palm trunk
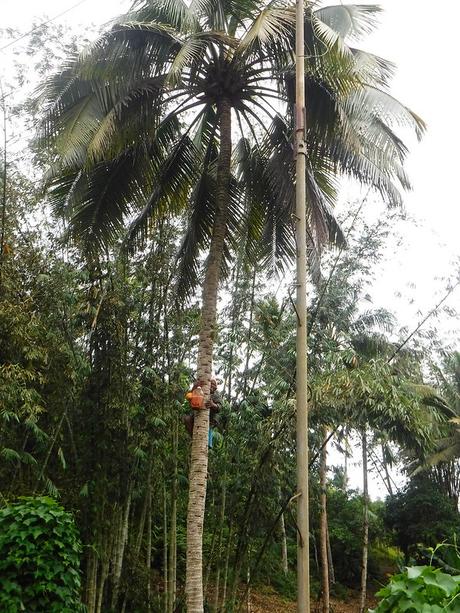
(199, 451)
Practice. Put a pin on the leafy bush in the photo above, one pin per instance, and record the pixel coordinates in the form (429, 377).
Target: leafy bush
(421, 515)
(345, 514)
(39, 558)
(445, 556)
(420, 589)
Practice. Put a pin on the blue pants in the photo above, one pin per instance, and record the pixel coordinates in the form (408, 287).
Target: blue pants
(210, 437)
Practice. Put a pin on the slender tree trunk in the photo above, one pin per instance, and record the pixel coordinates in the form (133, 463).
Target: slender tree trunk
(166, 553)
(303, 507)
(219, 546)
(282, 528)
(284, 554)
(91, 582)
(5, 173)
(211, 556)
(199, 451)
(323, 525)
(238, 566)
(227, 563)
(173, 529)
(235, 316)
(363, 595)
(330, 560)
(140, 532)
(249, 335)
(345, 462)
(148, 559)
(50, 449)
(248, 582)
(119, 548)
(104, 573)
(387, 472)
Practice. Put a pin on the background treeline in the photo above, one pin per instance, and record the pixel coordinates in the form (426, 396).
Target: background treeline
(96, 357)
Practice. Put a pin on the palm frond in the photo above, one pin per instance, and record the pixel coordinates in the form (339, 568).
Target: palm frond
(176, 14)
(385, 107)
(273, 24)
(350, 20)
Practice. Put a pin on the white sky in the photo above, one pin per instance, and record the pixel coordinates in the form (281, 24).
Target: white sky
(424, 45)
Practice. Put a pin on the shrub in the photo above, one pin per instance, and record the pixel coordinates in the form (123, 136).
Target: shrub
(421, 515)
(420, 589)
(39, 558)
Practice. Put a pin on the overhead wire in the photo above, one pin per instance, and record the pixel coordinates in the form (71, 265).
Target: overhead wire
(34, 29)
(41, 25)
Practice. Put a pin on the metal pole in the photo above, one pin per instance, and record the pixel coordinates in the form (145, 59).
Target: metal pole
(303, 559)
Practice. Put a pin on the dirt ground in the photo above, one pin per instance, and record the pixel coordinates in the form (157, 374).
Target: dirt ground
(273, 603)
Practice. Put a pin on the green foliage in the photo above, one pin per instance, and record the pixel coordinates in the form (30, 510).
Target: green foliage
(420, 589)
(345, 514)
(39, 558)
(421, 514)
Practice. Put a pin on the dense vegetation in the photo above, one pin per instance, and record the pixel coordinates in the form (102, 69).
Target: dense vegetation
(99, 339)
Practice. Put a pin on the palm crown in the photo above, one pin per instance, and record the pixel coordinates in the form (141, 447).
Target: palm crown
(134, 121)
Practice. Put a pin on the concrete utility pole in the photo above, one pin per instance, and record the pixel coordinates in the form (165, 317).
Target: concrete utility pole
(303, 560)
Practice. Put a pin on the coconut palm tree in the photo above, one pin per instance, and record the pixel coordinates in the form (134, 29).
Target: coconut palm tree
(143, 124)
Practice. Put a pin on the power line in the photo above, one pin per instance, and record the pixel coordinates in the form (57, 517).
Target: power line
(15, 40)
(420, 324)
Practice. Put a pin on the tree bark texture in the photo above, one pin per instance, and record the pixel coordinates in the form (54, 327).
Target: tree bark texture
(199, 447)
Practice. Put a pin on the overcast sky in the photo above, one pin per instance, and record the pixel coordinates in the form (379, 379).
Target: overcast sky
(424, 45)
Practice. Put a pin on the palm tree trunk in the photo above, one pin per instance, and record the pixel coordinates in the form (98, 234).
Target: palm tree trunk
(323, 524)
(199, 448)
(365, 527)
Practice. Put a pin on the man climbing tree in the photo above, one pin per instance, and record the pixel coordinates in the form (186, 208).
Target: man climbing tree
(196, 400)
